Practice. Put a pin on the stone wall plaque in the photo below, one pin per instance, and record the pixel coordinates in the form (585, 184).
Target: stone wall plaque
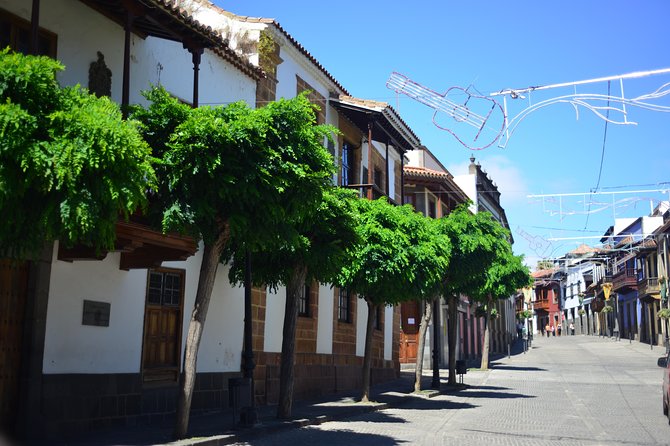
(96, 313)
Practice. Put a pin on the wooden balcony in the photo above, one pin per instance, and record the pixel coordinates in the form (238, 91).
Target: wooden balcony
(626, 279)
(648, 286)
(541, 304)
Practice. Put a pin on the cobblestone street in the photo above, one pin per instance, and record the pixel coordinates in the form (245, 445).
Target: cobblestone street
(570, 390)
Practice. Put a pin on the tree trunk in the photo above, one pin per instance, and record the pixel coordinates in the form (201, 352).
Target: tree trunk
(487, 335)
(367, 356)
(287, 366)
(452, 308)
(210, 263)
(423, 328)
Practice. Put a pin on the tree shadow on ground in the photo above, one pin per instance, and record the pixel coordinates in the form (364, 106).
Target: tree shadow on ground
(316, 435)
(519, 368)
(418, 403)
(474, 393)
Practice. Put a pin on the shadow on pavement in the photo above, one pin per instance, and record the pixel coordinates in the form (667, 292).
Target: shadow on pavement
(491, 388)
(342, 437)
(473, 393)
(520, 368)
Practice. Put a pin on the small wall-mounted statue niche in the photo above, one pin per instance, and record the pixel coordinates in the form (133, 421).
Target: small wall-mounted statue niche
(100, 77)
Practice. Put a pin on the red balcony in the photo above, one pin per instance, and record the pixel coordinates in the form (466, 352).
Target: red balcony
(626, 279)
(541, 304)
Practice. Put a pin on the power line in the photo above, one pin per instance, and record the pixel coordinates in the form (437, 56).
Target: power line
(602, 154)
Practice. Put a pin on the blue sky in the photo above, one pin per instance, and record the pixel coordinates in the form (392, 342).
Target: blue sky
(490, 46)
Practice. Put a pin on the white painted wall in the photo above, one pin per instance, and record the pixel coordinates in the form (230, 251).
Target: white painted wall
(274, 319)
(157, 61)
(82, 32)
(467, 184)
(388, 333)
(69, 346)
(222, 339)
(326, 314)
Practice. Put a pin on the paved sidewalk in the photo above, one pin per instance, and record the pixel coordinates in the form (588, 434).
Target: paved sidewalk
(219, 428)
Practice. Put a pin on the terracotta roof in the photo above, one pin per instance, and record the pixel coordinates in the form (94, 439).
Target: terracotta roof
(221, 47)
(273, 22)
(381, 107)
(543, 273)
(583, 249)
(424, 172)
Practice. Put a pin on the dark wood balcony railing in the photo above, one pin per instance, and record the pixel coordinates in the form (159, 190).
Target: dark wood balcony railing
(624, 279)
(605, 279)
(647, 286)
(376, 193)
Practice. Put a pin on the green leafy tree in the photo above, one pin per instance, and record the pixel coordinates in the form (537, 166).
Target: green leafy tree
(382, 268)
(431, 253)
(318, 254)
(503, 278)
(476, 239)
(233, 174)
(70, 166)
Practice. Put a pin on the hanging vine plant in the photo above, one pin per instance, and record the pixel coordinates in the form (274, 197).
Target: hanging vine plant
(664, 313)
(525, 314)
(607, 309)
(581, 312)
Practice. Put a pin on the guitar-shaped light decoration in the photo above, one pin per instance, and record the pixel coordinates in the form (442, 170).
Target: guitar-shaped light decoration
(461, 112)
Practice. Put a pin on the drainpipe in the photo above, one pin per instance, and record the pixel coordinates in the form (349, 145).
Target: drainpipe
(402, 178)
(370, 173)
(388, 188)
(34, 28)
(125, 92)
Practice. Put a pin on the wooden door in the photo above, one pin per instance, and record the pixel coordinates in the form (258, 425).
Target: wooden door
(410, 317)
(162, 325)
(13, 291)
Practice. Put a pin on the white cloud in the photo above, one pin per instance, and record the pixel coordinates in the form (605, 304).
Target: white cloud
(504, 173)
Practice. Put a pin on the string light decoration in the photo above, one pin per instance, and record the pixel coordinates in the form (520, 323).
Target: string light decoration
(602, 105)
(479, 112)
(491, 122)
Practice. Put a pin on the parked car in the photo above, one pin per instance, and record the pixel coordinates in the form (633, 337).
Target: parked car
(665, 363)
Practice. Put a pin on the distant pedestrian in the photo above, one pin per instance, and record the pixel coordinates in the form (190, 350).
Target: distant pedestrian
(559, 329)
(524, 337)
(547, 329)
(572, 329)
(553, 330)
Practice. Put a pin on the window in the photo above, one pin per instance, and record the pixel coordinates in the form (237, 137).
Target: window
(377, 180)
(15, 33)
(344, 305)
(314, 98)
(162, 325)
(347, 164)
(303, 302)
(432, 211)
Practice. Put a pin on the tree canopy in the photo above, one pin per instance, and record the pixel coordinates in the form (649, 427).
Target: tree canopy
(400, 257)
(233, 177)
(70, 166)
(218, 164)
(396, 242)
